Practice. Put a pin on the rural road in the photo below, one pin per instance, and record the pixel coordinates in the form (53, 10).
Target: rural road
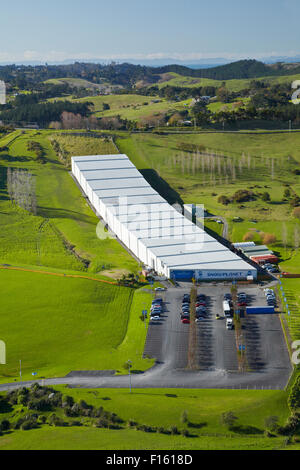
(167, 342)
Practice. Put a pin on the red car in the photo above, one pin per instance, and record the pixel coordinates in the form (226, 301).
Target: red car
(185, 320)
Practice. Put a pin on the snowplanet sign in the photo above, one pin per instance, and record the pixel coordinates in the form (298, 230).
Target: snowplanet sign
(223, 274)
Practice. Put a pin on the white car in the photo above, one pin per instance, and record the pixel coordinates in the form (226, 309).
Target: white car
(155, 318)
(229, 324)
(160, 289)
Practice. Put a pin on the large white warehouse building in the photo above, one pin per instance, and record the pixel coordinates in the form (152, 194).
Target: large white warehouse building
(149, 227)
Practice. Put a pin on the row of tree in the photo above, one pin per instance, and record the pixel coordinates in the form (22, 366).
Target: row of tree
(21, 188)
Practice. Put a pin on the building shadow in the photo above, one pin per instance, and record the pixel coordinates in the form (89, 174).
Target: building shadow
(161, 186)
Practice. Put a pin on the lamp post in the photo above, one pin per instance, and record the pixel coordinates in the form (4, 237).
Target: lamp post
(129, 370)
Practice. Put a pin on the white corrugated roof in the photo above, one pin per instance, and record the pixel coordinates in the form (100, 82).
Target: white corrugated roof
(145, 214)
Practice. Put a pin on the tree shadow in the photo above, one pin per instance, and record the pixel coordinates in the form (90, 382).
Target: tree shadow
(5, 407)
(196, 425)
(3, 179)
(241, 429)
(56, 213)
(11, 159)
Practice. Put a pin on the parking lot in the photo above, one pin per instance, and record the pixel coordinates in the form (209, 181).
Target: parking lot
(265, 347)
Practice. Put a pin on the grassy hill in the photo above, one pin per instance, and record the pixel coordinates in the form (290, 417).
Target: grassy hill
(64, 233)
(203, 409)
(131, 106)
(232, 84)
(58, 324)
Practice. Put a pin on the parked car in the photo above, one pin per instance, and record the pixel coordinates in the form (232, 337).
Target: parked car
(185, 321)
(228, 297)
(200, 310)
(155, 317)
(229, 324)
(185, 311)
(201, 297)
(199, 319)
(160, 289)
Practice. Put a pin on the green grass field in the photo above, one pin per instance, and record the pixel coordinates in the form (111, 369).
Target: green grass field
(132, 107)
(65, 220)
(292, 294)
(203, 408)
(232, 85)
(78, 145)
(56, 325)
(260, 162)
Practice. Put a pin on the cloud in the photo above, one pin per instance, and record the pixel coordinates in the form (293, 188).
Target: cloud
(60, 56)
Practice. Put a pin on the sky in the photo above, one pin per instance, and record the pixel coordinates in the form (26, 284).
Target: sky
(188, 30)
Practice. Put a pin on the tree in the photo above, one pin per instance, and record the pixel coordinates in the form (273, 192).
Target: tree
(271, 423)
(223, 94)
(287, 193)
(5, 425)
(269, 238)
(105, 107)
(175, 119)
(296, 237)
(284, 234)
(228, 419)
(248, 237)
(296, 212)
(184, 417)
(266, 197)
(223, 200)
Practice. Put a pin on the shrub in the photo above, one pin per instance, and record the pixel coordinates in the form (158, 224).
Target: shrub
(22, 400)
(76, 423)
(266, 197)
(29, 424)
(296, 212)
(4, 425)
(55, 420)
(67, 401)
(269, 238)
(243, 195)
(174, 430)
(271, 423)
(223, 200)
(295, 201)
(43, 419)
(75, 409)
(294, 396)
(162, 430)
(131, 423)
(228, 419)
(102, 423)
(184, 417)
(248, 236)
(41, 404)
